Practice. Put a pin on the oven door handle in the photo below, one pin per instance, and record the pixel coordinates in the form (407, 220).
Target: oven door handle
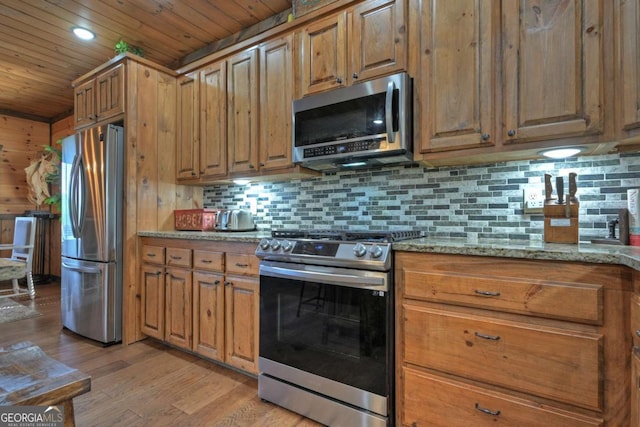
(377, 282)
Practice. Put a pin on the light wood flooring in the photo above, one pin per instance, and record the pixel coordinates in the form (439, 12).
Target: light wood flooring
(146, 383)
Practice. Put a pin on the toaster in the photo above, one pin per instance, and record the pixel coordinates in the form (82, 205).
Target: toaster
(238, 220)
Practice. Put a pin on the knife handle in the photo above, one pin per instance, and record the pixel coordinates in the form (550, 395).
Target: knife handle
(573, 187)
(560, 189)
(548, 189)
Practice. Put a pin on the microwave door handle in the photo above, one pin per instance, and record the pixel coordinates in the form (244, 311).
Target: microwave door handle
(388, 109)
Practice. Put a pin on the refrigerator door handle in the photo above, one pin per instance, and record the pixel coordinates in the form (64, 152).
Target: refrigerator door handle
(81, 196)
(81, 269)
(73, 199)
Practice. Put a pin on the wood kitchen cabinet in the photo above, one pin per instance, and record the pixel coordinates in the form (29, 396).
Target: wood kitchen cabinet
(202, 110)
(627, 26)
(455, 88)
(100, 98)
(276, 96)
(484, 341)
(552, 69)
(203, 300)
(243, 113)
(366, 41)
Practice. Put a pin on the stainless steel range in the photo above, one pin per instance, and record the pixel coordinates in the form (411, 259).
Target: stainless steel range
(327, 324)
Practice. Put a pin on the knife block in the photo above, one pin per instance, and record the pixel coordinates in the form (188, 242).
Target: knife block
(558, 226)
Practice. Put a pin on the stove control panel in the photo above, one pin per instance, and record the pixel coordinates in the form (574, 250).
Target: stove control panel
(350, 254)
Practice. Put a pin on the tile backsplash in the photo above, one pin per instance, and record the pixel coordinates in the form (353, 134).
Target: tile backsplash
(475, 202)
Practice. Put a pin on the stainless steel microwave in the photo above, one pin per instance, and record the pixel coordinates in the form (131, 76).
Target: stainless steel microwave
(366, 124)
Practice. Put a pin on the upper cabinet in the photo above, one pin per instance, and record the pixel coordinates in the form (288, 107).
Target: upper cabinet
(100, 98)
(242, 117)
(454, 91)
(365, 41)
(627, 20)
(552, 69)
(276, 94)
(202, 116)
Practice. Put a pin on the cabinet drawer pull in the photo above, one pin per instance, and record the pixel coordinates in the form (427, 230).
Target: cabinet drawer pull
(487, 293)
(241, 265)
(206, 261)
(487, 411)
(151, 255)
(487, 337)
(175, 257)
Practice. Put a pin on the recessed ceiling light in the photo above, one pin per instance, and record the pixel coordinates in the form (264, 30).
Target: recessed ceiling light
(83, 33)
(561, 153)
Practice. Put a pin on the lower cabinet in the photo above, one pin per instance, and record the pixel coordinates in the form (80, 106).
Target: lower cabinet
(485, 341)
(202, 296)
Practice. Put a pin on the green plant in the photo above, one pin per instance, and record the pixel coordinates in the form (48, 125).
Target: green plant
(122, 47)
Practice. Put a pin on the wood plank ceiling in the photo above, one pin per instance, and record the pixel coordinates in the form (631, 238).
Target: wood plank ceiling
(40, 56)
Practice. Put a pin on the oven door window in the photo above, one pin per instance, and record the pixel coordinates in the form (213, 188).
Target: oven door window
(335, 332)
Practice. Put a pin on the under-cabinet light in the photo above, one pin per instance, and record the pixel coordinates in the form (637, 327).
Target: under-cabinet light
(241, 181)
(561, 153)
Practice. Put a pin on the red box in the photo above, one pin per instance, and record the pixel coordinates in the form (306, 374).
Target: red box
(195, 219)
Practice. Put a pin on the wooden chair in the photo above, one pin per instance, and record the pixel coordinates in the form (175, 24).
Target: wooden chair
(24, 236)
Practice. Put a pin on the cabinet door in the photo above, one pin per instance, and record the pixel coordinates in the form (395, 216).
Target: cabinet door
(456, 88)
(635, 387)
(629, 47)
(378, 39)
(213, 120)
(324, 54)
(188, 128)
(110, 93)
(242, 122)
(208, 315)
(276, 95)
(152, 295)
(85, 104)
(242, 300)
(552, 70)
(178, 316)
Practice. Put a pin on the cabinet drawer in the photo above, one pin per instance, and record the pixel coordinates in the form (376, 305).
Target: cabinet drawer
(577, 302)
(205, 260)
(635, 319)
(430, 400)
(242, 264)
(557, 364)
(179, 257)
(153, 254)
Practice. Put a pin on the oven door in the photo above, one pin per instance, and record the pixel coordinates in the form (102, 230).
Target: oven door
(328, 330)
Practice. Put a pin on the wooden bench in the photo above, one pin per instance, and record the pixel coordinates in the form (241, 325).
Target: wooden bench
(28, 377)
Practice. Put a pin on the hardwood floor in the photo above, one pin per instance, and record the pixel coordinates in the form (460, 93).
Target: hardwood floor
(146, 383)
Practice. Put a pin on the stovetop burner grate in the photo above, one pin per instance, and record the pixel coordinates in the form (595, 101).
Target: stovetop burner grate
(347, 235)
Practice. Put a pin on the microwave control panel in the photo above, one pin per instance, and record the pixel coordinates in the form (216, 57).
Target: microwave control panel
(342, 148)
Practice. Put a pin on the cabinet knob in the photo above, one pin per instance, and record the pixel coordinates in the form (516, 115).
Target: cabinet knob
(511, 132)
(251, 166)
(227, 283)
(485, 136)
(193, 174)
(217, 282)
(355, 75)
(638, 332)
(261, 164)
(339, 80)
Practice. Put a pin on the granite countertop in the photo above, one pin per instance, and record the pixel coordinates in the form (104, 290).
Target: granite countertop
(584, 252)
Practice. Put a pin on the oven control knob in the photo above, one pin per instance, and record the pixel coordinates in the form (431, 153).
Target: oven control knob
(275, 244)
(359, 250)
(287, 245)
(375, 251)
(264, 244)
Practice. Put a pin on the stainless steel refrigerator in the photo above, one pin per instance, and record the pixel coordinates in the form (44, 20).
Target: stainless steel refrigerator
(92, 200)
